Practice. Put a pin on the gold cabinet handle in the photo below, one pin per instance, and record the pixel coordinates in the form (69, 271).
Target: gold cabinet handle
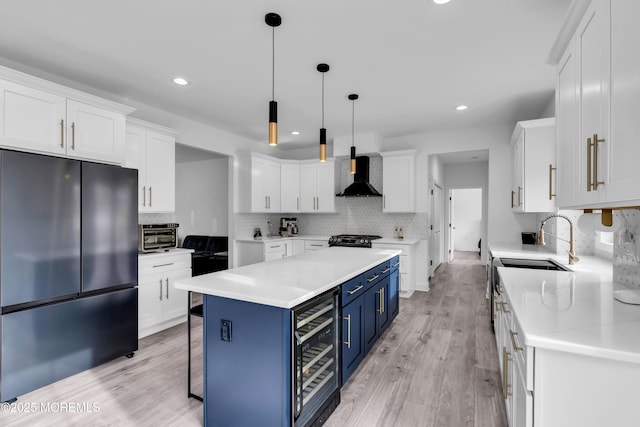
(355, 290)
(589, 144)
(506, 358)
(160, 289)
(150, 197)
(167, 282)
(513, 193)
(144, 195)
(298, 203)
(516, 347)
(519, 196)
(61, 133)
(596, 141)
(551, 169)
(496, 307)
(504, 305)
(348, 342)
(73, 136)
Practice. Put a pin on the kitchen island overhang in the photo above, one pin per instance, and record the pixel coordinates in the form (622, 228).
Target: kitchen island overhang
(272, 333)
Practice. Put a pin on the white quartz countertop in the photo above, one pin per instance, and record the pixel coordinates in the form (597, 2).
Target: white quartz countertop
(388, 240)
(289, 281)
(570, 311)
(276, 238)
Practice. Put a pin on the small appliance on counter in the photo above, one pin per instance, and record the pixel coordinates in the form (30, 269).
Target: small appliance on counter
(257, 234)
(288, 227)
(157, 237)
(353, 240)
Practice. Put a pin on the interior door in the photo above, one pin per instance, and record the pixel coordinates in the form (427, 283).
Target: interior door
(39, 227)
(452, 226)
(436, 236)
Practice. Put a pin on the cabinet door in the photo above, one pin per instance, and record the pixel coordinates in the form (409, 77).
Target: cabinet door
(352, 337)
(94, 133)
(624, 149)
(567, 128)
(522, 408)
(518, 174)
(398, 184)
(325, 187)
(150, 300)
(274, 250)
(592, 43)
(31, 119)
(290, 187)
(159, 171)
(135, 157)
(175, 300)
(265, 185)
(308, 182)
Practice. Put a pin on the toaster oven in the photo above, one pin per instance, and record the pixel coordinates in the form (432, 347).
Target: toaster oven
(157, 237)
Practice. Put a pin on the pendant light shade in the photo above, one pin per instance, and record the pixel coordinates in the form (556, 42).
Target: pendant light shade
(352, 160)
(323, 68)
(273, 20)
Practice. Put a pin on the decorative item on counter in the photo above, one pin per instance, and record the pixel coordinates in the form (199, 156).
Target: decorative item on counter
(257, 234)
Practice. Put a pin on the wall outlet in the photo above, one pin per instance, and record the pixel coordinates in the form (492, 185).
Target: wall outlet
(225, 330)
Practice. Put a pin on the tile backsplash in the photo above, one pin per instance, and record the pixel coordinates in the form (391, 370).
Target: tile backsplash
(626, 248)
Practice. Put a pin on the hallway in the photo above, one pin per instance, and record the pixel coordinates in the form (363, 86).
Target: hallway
(437, 365)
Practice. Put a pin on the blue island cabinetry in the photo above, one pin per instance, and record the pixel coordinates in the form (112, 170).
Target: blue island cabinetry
(370, 302)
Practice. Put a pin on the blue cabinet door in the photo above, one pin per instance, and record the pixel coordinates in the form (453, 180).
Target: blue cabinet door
(352, 337)
(371, 302)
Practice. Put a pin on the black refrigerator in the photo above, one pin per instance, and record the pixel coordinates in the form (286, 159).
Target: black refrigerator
(68, 268)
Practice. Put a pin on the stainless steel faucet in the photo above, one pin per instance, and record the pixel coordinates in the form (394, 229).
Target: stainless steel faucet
(572, 250)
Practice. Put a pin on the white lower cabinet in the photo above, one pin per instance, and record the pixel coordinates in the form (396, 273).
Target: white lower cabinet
(160, 304)
(407, 269)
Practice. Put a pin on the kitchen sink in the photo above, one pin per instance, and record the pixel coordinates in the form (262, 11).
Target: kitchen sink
(537, 264)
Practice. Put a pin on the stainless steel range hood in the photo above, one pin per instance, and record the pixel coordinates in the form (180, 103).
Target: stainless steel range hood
(361, 186)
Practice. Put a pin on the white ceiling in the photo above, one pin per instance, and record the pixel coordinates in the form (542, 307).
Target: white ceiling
(411, 61)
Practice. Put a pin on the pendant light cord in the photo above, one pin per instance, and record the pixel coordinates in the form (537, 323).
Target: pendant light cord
(353, 118)
(273, 63)
(323, 100)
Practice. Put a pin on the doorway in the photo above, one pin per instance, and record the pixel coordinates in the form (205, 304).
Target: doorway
(436, 248)
(465, 221)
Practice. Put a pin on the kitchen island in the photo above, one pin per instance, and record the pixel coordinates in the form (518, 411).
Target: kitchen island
(570, 352)
(253, 336)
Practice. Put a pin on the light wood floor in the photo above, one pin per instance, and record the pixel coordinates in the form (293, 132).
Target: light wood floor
(435, 366)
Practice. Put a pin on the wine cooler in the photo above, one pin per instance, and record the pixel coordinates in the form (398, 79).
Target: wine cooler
(315, 360)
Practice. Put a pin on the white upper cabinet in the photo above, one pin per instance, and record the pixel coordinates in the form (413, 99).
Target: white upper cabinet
(598, 125)
(398, 181)
(43, 117)
(258, 178)
(290, 187)
(151, 150)
(534, 157)
(317, 186)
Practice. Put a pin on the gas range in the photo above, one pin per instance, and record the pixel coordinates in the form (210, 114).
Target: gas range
(353, 240)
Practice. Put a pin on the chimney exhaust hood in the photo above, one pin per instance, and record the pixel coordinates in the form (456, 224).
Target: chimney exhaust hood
(361, 186)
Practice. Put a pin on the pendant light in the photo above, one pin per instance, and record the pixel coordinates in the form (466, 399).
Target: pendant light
(323, 68)
(352, 162)
(273, 20)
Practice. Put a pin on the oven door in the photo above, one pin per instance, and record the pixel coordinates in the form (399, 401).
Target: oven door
(156, 239)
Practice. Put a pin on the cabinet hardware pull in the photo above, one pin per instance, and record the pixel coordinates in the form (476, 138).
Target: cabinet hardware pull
(516, 347)
(167, 282)
(551, 169)
(506, 358)
(382, 299)
(379, 309)
(504, 305)
(497, 307)
(396, 264)
(274, 246)
(319, 245)
(298, 203)
(318, 202)
(150, 197)
(373, 278)
(160, 289)
(61, 133)
(386, 270)
(519, 196)
(348, 342)
(163, 265)
(513, 193)
(589, 144)
(269, 198)
(144, 195)
(384, 201)
(355, 290)
(73, 136)
(596, 141)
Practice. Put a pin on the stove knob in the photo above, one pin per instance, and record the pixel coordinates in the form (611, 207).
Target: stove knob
(361, 241)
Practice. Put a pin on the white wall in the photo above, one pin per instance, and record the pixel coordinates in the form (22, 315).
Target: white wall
(467, 218)
(202, 192)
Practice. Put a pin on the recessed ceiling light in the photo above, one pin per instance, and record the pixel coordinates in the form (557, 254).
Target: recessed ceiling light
(295, 132)
(440, 1)
(180, 81)
(461, 107)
